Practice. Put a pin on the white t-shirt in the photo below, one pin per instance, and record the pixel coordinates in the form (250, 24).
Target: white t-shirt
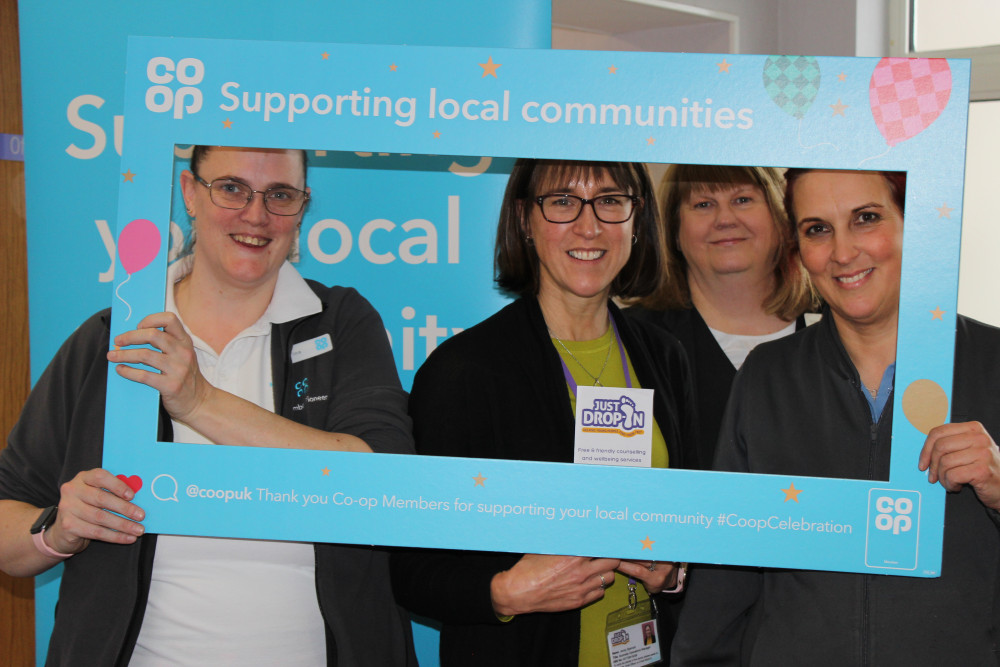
(218, 601)
(737, 347)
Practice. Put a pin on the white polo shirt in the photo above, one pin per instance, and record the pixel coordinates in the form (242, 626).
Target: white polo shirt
(219, 601)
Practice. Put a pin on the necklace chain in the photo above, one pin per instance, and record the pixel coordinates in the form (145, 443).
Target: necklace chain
(595, 378)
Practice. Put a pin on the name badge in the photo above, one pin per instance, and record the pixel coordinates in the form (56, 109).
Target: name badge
(632, 640)
(614, 426)
(308, 349)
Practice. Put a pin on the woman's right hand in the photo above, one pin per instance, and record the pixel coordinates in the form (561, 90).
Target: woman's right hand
(551, 583)
(183, 389)
(82, 516)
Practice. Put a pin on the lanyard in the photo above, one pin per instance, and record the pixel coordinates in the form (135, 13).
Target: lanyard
(632, 597)
(621, 351)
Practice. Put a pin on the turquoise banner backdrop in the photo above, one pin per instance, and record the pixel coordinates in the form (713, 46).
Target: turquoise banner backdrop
(73, 73)
(562, 104)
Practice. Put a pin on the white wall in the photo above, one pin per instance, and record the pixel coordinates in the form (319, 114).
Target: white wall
(844, 28)
(977, 277)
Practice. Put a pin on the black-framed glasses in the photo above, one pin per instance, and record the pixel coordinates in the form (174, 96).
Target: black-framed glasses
(227, 193)
(613, 209)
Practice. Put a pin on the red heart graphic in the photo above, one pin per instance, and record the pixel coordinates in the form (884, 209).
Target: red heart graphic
(135, 482)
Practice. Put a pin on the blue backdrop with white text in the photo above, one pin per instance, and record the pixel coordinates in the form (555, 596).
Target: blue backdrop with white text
(378, 222)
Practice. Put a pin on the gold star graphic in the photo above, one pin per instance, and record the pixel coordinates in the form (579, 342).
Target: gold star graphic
(647, 543)
(944, 211)
(490, 67)
(650, 141)
(227, 124)
(480, 480)
(842, 76)
(937, 314)
(839, 108)
(127, 176)
(724, 66)
(613, 69)
(791, 493)
(437, 135)
(326, 56)
(393, 67)
(326, 471)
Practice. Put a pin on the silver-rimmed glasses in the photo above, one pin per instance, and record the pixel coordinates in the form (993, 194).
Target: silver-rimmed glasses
(227, 193)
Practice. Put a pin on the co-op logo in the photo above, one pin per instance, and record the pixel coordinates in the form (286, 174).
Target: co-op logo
(161, 97)
(894, 514)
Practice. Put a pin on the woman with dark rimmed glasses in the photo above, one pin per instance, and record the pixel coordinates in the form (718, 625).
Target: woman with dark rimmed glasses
(572, 235)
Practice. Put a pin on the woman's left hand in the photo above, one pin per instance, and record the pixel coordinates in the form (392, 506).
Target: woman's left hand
(181, 385)
(657, 576)
(960, 454)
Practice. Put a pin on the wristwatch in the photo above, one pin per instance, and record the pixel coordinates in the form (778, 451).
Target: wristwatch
(45, 520)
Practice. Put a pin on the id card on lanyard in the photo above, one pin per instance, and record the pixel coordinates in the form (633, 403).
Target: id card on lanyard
(632, 637)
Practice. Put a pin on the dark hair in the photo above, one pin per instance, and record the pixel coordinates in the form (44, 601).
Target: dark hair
(792, 293)
(895, 180)
(515, 261)
(199, 152)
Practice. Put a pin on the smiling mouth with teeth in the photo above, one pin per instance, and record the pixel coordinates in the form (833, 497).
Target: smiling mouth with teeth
(586, 254)
(850, 280)
(251, 240)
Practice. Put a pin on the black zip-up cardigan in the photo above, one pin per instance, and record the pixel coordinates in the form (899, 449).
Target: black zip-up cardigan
(497, 390)
(797, 407)
(103, 591)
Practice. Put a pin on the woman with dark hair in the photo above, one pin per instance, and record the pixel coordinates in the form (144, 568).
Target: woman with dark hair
(220, 357)
(819, 404)
(731, 279)
(571, 236)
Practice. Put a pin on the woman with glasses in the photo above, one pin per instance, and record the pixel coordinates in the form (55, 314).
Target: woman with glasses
(571, 236)
(221, 357)
(731, 278)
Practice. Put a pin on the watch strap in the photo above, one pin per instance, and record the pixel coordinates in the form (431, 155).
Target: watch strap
(682, 572)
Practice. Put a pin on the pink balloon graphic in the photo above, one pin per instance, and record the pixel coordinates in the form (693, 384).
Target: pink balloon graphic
(907, 95)
(138, 245)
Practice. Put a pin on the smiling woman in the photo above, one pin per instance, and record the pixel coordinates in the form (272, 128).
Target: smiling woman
(219, 357)
(819, 404)
(571, 236)
(731, 278)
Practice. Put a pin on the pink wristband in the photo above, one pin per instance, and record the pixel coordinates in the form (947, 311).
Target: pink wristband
(40, 544)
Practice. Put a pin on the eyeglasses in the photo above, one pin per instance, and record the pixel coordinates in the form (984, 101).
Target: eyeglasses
(227, 193)
(613, 209)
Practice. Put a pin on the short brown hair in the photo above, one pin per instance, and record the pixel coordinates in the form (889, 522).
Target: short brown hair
(515, 262)
(792, 294)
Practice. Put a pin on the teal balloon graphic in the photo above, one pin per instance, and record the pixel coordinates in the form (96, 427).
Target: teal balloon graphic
(792, 82)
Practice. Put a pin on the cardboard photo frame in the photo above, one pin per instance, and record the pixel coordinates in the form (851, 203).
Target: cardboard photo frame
(780, 111)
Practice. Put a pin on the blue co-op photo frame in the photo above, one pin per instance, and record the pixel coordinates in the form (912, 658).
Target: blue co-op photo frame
(838, 113)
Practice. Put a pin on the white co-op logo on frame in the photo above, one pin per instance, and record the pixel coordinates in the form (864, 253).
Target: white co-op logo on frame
(894, 514)
(893, 529)
(161, 97)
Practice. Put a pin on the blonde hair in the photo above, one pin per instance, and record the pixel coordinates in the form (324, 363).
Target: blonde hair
(792, 294)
